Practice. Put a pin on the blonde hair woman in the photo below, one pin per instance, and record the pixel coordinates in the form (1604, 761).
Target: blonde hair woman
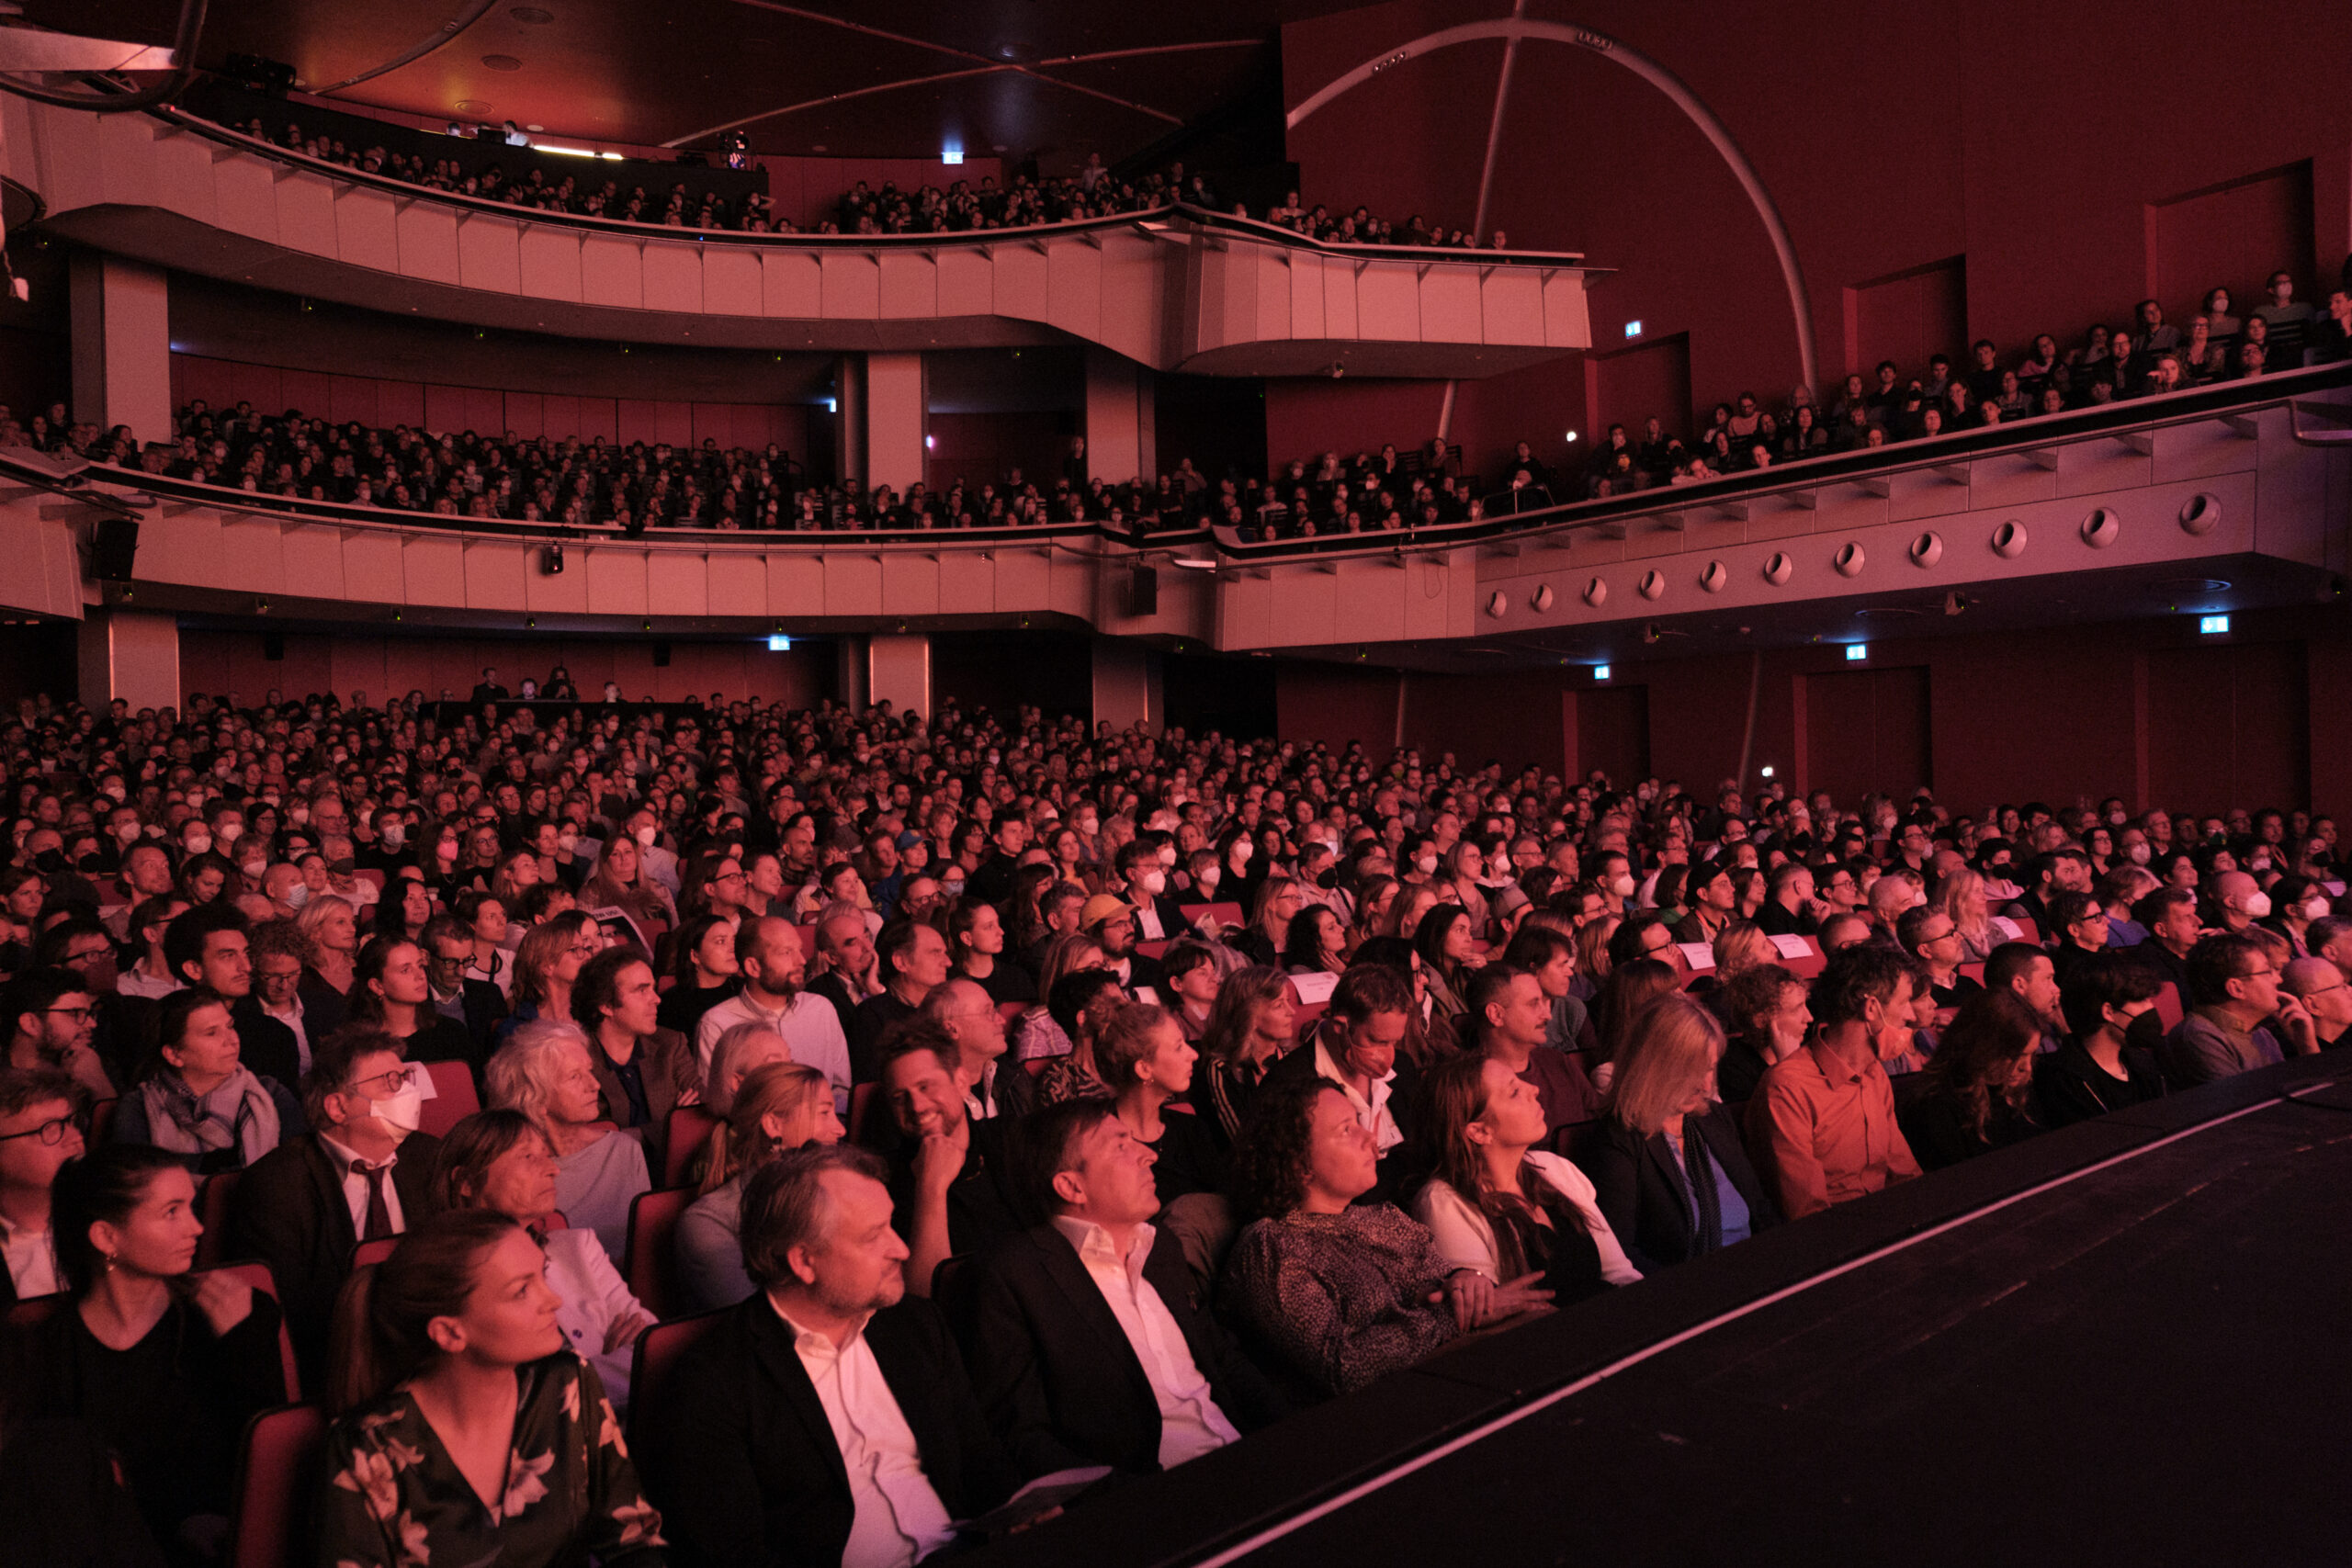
(780, 1106)
(1672, 1176)
(1960, 896)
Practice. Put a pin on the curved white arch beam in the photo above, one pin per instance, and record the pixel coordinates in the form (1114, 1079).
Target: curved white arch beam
(1037, 72)
(1514, 29)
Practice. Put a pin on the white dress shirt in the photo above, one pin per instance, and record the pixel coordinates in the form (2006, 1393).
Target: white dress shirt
(292, 1019)
(1373, 1112)
(899, 1517)
(31, 1257)
(809, 1024)
(136, 982)
(354, 1188)
(1190, 1422)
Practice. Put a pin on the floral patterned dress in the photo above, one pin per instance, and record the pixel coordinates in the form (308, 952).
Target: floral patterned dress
(394, 1498)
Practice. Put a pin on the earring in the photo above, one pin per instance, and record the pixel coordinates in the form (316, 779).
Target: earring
(107, 1261)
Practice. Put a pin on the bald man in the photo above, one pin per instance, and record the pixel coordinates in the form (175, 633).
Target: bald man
(962, 1006)
(2321, 987)
(2238, 902)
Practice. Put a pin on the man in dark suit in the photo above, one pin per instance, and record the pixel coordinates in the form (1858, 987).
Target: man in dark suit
(361, 1173)
(1143, 878)
(951, 1185)
(488, 690)
(738, 1446)
(476, 1004)
(1086, 1336)
(207, 946)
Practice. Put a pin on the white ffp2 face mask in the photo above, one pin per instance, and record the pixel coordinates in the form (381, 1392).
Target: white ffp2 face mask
(404, 1111)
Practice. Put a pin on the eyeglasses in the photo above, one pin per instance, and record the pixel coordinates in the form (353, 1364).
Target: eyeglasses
(395, 1080)
(79, 1015)
(51, 1132)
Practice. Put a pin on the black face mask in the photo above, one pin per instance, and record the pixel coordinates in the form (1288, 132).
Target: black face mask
(2147, 1032)
(50, 862)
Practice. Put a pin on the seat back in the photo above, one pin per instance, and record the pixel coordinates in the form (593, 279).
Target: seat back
(102, 1121)
(690, 1128)
(372, 1252)
(263, 1282)
(278, 1464)
(212, 1209)
(452, 1099)
(656, 1351)
(652, 1268)
(2169, 1007)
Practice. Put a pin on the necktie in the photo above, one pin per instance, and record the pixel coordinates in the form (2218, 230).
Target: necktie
(1701, 1172)
(379, 1213)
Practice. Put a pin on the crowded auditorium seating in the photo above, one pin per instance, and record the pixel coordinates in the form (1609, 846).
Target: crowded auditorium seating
(1273, 844)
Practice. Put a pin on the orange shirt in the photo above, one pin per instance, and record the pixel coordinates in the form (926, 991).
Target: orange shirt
(1824, 1134)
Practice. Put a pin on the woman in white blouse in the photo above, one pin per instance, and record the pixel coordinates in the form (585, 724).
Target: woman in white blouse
(500, 1160)
(1498, 1206)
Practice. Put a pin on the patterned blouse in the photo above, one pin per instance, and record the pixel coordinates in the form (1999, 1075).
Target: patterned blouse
(1343, 1298)
(1066, 1077)
(396, 1499)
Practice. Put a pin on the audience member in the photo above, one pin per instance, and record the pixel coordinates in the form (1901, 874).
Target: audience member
(1668, 1167)
(501, 1161)
(546, 1072)
(2234, 987)
(2109, 1059)
(1977, 1093)
(826, 1418)
(453, 1383)
(1822, 1125)
(43, 1118)
(779, 1106)
(361, 1173)
(202, 1103)
(1088, 1341)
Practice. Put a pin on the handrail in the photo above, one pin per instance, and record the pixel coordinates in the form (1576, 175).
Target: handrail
(1807, 473)
(1145, 218)
(349, 514)
(2086, 424)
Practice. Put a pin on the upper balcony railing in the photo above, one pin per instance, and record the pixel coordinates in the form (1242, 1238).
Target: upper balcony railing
(1178, 288)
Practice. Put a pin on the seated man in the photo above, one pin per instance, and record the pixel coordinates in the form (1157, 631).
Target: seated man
(950, 1191)
(363, 1172)
(773, 965)
(826, 1419)
(41, 1115)
(52, 1015)
(1821, 1127)
(2235, 991)
(2320, 985)
(1508, 1014)
(1355, 1049)
(1086, 1343)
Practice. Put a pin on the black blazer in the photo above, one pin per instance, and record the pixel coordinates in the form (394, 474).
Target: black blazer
(1055, 1373)
(1639, 1183)
(737, 1455)
(263, 1044)
(289, 1211)
(323, 1007)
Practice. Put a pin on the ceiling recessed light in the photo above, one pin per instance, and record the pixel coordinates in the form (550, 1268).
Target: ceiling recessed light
(820, 147)
(531, 16)
(501, 62)
(472, 106)
(535, 128)
(999, 147)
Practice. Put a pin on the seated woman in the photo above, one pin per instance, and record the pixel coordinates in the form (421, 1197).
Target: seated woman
(778, 1107)
(1444, 941)
(466, 1431)
(1190, 968)
(1036, 1038)
(390, 991)
(1668, 1164)
(1253, 1024)
(1330, 1293)
(1517, 1218)
(1976, 1093)
(1268, 934)
(546, 962)
(976, 939)
(1148, 1065)
(202, 1102)
(165, 1366)
(544, 1072)
(499, 1161)
(1318, 944)
(706, 976)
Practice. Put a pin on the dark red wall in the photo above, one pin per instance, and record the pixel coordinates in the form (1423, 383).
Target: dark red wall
(2065, 155)
(2146, 710)
(373, 400)
(221, 662)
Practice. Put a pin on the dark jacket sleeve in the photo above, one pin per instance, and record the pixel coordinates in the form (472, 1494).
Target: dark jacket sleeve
(1612, 1161)
(988, 1473)
(1006, 1378)
(274, 1216)
(697, 1447)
